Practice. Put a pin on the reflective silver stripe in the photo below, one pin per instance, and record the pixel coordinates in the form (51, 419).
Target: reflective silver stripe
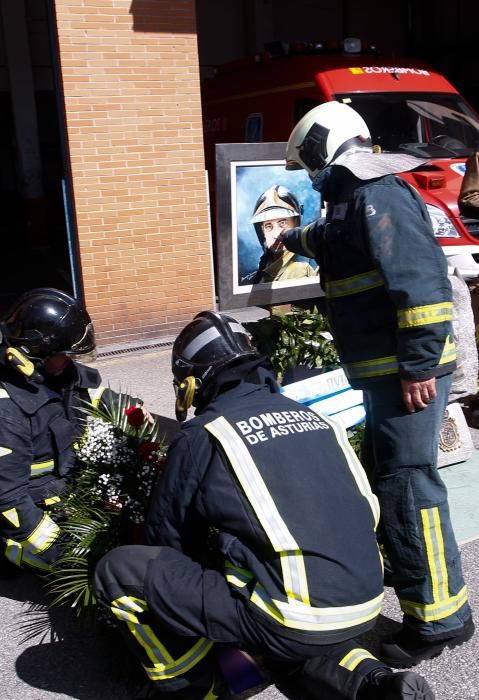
(449, 352)
(200, 341)
(435, 611)
(4, 394)
(354, 284)
(292, 564)
(237, 576)
(372, 368)
(12, 516)
(34, 561)
(298, 615)
(304, 241)
(356, 468)
(352, 660)
(126, 608)
(207, 337)
(182, 665)
(443, 604)
(436, 560)
(297, 612)
(294, 576)
(237, 328)
(39, 468)
(164, 666)
(18, 554)
(13, 552)
(425, 315)
(42, 536)
(253, 485)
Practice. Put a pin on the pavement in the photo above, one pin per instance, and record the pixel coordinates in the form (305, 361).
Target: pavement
(73, 660)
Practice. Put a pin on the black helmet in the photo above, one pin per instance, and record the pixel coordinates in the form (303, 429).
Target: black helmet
(47, 321)
(205, 346)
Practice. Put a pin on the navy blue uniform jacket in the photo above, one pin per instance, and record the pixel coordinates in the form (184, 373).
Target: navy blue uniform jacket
(385, 279)
(291, 503)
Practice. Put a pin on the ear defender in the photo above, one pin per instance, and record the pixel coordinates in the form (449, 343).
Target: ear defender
(185, 393)
(23, 365)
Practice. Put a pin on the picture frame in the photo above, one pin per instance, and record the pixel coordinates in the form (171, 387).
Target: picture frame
(245, 172)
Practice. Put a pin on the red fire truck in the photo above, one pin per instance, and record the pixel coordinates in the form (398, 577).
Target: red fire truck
(408, 107)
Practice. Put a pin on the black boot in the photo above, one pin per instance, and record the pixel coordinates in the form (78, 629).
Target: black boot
(384, 684)
(407, 649)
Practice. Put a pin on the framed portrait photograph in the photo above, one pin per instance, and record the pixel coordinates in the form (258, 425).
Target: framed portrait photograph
(257, 200)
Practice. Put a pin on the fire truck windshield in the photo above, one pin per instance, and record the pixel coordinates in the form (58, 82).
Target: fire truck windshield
(424, 124)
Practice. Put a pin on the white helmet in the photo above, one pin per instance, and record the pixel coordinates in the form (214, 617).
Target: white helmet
(323, 134)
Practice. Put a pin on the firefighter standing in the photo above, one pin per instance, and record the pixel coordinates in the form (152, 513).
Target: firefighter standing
(294, 519)
(390, 308)
(41, 386)
(276, 211)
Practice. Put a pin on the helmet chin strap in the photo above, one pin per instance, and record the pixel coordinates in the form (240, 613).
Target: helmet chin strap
(185, 393)
(23, 365)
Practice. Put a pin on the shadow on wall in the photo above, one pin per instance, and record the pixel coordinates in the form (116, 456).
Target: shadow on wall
(163, 16)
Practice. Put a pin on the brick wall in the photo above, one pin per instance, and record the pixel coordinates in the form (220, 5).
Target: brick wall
(131, 88)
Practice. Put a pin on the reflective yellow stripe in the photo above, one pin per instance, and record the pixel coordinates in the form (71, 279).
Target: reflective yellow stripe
(52, 500)
(182, 665)
(253, 485)
(353, 285)
(42, 536)
(164, 665)
(431, 524)
(354, 658)
(211, 695)
(18, 554)
(425, 315)
(126, 608)
(39, 468)
(372, 368)
(443, 604)
(235, 581)
(297, 615)
(430, 612)
(237, 576)
(95, 395)
(13, 552)
(12, 516)
(34, 561)
(356, 468)
(449, 352)
(5, 451)
(256, 491)
(294, 576)
(304, 241)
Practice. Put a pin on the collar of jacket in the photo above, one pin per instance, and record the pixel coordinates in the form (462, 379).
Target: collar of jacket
(267, 382)
(28, 396)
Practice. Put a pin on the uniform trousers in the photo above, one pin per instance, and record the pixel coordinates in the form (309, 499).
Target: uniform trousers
(174, 638)
(415, 526)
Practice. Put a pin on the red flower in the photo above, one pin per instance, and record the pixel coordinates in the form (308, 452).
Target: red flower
(147, 449)
(135, 416)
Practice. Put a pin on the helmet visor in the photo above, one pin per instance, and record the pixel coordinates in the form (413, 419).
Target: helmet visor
(313, 151)
(86, 344)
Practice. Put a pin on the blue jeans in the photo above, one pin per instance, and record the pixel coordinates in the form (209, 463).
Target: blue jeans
(415, 526)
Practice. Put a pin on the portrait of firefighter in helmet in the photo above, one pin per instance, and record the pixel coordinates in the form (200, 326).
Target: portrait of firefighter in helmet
(277, 210)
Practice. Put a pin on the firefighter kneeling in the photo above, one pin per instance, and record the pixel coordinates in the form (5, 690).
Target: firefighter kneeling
(294, 521)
